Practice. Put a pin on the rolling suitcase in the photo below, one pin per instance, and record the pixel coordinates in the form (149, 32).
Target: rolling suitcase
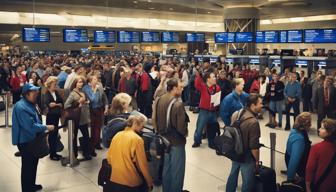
(265, 180)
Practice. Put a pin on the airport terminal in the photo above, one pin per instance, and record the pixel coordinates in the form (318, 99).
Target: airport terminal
(168, 96)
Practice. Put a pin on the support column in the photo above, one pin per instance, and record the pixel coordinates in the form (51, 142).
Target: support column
(242, 20)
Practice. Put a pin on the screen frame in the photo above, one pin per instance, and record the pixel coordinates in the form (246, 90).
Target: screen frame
(88, 40)
(234, 38)
(293, 30)
(304, 36)
(178, 41)
(252, 34)
(142, 40)
(278, 35)
(24, 39)
(118, 34)
(186, 39)
(94, 36)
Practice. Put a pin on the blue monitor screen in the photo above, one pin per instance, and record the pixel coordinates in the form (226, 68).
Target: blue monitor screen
(244, 37)
(104, 37)
(320, 36)
(267, 37)
(283, 36)
(195, 37)
(254, 61)
(128, 37)
(300, 62)
(35, 34)
(150, 37)
(170, 37)
(75, 35)
(224, 37)
(294, 36)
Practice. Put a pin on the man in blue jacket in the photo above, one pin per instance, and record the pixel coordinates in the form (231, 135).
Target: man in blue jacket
(292, 94)
(26, 126)
(233, 102)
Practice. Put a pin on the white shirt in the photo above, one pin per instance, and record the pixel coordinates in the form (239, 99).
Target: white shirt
(185, 78)
(70, 79)
(53, 94)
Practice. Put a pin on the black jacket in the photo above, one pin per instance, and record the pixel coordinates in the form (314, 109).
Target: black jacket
(319, 100)
(48, 98)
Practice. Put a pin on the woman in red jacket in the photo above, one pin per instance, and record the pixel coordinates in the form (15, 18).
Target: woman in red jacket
(320, 157)
(16, 82)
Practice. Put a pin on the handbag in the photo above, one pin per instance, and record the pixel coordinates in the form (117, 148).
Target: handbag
(39, 147)
(104, 174)
(73, 112)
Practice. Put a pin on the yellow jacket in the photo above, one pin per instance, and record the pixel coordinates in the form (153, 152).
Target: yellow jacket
(126, 151)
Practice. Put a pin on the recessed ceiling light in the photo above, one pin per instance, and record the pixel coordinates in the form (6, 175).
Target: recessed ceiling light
(151, 8)
(135, 2)
(171, 9)
(149, 1)
(209, 12)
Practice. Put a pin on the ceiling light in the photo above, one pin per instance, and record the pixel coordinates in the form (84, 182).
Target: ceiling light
(149, 1)
(151, 8)
(296, 19)
(135, 2)
(171, 9)
(209, 12)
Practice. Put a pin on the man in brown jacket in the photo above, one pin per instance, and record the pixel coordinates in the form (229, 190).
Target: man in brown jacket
(171, 121)
(250, 131)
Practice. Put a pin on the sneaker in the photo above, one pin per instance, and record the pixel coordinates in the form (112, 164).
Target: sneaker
(195, 145)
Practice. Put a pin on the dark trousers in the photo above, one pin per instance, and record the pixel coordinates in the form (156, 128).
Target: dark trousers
(97, 118)
(28, 169)
(53, 135)
(84, 141)
(296, 107)
(321, 115)
(115, 187)
(145, 100)
(16, 96)
(307, 106)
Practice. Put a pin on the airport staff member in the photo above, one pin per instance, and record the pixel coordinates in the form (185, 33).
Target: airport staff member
(26, 126)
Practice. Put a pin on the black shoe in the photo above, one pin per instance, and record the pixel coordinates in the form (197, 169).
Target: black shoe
(191, 108)
(87, 157)
(93, 154)
(17, 154)
(279, 125)
(271, 126)
(268, 124)
(284, 172)
(287, 128)
(195, 145)
(196, 110)
(55, 157)
(37, 187)
(212, 146)
(99, 147)
(185, 191)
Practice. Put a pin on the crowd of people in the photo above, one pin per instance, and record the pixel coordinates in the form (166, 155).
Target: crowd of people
(105, 87)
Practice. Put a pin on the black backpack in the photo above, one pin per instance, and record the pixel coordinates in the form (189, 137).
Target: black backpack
(230, 143)
(111, 129)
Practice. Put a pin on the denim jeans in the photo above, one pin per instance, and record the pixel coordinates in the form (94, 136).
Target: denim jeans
(204, 118)
(174, 169)
(277, 107)
(296, 108)
(248, 174)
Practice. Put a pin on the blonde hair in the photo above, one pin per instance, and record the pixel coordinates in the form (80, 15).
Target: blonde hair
(303, 122)
(238, 81)
(50, 80)
(136, 119)
(120, 103)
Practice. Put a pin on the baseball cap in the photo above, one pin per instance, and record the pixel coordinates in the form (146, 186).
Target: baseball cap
(29, 87)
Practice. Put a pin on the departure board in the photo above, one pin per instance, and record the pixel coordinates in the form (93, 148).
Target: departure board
(283, 36)
(294, 36)
(128, 37)
(244, 37)
(170, 37)
(267, 37)
(195, 37)
(320, 36)
(150, 37)
(104, 36)
(35, 34)
(75, 35)
(225, 37)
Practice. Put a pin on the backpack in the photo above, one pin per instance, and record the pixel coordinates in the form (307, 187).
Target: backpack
(230, 143)
(111, 129)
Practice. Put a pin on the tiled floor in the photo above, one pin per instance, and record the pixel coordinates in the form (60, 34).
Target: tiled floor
(205, 171)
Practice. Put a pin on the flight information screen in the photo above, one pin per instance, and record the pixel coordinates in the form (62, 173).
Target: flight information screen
(128, 37)
(195, 37)
(283, 36)
(225, 37)
(36, 34)
(104, 36)
(267, 37)
(244, 37)
(75, 35)
(170, 37)
(320, 36)
(150, 37)
(294, 36)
